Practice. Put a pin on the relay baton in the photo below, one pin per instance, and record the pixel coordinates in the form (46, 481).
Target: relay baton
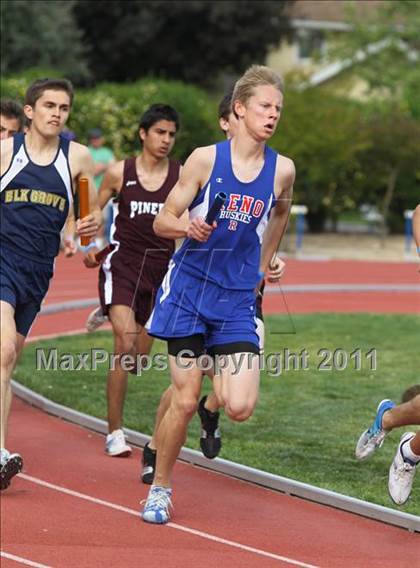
(99, 256)
(83, 190)
(217, 204)
(212, 213)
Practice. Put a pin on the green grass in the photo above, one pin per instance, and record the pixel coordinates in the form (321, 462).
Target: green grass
(307, 421)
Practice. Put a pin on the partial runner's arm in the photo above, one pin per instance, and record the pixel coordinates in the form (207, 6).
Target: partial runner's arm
(69, 231)
(82, 166)
(171, 223)
(416, 227)
(279, 217)
(111, 183)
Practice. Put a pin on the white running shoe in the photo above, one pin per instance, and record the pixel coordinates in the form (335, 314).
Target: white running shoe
(116, 446)
(95, 319)
(4, 456)
(401, 473)
(10, 465)
(157, 505)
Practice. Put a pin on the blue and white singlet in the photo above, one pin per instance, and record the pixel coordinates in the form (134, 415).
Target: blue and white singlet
(231, 256)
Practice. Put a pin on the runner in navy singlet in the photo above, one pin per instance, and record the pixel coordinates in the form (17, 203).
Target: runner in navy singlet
(207, 298)
(132, 272)
(38, 173)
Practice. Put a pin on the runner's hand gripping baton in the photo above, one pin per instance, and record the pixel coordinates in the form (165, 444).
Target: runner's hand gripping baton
(83, 191)
(217, 204)
(213, 212)
(210, 217)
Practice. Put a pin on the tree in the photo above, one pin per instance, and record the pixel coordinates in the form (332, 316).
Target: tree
(40, 33)
(323, 134)
(391, 160)
(384, 47)
(189, 40)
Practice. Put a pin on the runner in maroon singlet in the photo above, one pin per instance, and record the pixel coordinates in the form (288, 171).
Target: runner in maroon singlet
(132, 272)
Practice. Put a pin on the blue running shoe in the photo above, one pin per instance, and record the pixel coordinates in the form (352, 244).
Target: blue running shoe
(373, 437)
(156, 509)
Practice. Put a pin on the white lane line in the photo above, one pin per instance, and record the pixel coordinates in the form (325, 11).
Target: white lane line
(135, 513)
(21, 560)
(242, 546)
(80, 495)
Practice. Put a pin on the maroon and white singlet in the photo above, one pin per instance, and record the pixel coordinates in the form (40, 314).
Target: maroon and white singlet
(132, 273)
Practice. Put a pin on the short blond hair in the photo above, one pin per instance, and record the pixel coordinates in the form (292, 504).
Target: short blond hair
(253, 77)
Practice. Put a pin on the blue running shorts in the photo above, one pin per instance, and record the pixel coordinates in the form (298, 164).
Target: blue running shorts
(23, 284)
(186, 305)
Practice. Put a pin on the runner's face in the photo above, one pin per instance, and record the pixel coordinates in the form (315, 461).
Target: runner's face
(50, 112)
(159, 139)
(8, 127)
(261, 112)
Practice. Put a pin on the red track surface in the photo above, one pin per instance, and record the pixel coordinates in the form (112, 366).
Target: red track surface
(74, 282)
(51, 528)
(343, 302)
(47, 526)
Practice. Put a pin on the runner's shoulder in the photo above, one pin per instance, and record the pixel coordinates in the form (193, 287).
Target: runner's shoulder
(285, 170)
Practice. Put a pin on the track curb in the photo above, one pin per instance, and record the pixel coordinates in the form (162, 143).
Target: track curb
(238, 471)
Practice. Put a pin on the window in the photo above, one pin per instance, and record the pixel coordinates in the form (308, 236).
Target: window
(310, 42)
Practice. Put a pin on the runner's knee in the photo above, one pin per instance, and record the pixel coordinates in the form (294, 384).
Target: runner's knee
(415, 404)
(124, 342)
(8, 353)
(186, 405)
(239, 411)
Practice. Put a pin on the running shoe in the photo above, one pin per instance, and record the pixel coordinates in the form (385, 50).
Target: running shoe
(158, 503)
(149, 465)
(95, 319)
(116, 446)
(210, 440)
(373, 437)
(401, 473)
(10, 465)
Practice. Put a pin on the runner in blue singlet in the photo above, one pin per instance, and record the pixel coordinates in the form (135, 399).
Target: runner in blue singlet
(207, 299)
(208, 408)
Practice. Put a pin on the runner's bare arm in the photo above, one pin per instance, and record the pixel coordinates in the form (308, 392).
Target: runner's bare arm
(69, 230)
(416, 227)
(6, 154)
(110, 186)
(111, 183)
(171, 222)
(82, 165)
(277, 223)
(79, 162)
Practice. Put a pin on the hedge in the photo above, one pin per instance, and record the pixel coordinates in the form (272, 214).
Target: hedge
(116, 109)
